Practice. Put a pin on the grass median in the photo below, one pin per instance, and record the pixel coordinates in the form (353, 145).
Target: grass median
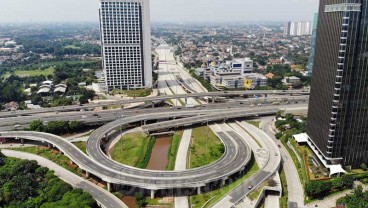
(175, 143)
(205, 147)
(82, 146)
(133, 149)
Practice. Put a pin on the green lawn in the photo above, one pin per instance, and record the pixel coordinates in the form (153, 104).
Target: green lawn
(133, 150)
(52, 155)
(214, 196)
(82, 146)
(254, 123)
(284, 197)
(134, 93)
(175, 142)
(32, 73)
(205, 147)
(44, 68)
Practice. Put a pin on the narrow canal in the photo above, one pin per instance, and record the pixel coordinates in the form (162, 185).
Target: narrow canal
(158, 161)
(159, 156)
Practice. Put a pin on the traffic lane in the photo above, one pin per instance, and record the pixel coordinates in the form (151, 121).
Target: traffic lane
(139, 100)
(100, 196)
(244, 189)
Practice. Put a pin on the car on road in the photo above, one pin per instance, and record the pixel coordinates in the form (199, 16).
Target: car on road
(250, 186)
(279, 146)
(259, 104)
(95, 114)
(84, 116)
(252, 105)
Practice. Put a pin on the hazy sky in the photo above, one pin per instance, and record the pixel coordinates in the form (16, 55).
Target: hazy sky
(162, 10)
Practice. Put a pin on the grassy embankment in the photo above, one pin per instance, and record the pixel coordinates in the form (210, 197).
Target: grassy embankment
(205, 147)
(53, 155)
(133, 149)
(174, 147)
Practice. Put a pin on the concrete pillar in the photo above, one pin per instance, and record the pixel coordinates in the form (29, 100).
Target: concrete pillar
(153, 194)
(199, 191)
(22, 141)
(145, 122)
(223, 182)
(213, 99)
(87, 174)
(153, 105)
(186, 101)
(49, 145)
(109, 187)
(71, 162)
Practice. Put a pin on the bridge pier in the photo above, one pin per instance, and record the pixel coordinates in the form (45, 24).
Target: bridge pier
(87, 174)
(22, 141)
(49, 145)
(199, 191)
(109, 187)
(186, 101)
(153, 105)
(213, 99)
(153, 194)
(223, 181)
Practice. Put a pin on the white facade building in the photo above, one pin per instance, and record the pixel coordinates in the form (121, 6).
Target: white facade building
(298, 28)
(126, 43)
(237, 67)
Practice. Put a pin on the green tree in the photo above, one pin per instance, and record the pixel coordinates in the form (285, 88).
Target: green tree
(348, 180)
(363, 167)
(141, 200)
(36, 125)
(75, 126)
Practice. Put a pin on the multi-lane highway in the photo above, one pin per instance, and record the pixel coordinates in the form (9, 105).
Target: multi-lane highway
(151, 99)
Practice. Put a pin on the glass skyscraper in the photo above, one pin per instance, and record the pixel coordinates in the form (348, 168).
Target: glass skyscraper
(126, 43)
(338, 108)
(313, 45)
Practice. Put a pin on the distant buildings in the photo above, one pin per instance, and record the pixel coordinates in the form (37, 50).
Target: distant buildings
(237, 67)
(298, 28)
(234, 74)
(338, 110)
(126, 43)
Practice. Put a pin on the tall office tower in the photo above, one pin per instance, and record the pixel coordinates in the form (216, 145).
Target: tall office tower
(126, 43)
(313, 45)
(338, 108)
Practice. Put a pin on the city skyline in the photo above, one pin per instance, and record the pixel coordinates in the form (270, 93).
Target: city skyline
(173, 11)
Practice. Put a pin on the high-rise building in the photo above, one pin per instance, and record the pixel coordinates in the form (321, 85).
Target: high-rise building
(338, 108)
(126, 43)
(313, 45)
(298, 28)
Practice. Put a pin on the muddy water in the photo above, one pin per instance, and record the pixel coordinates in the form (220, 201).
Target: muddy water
(159, 160)
(130, 201)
